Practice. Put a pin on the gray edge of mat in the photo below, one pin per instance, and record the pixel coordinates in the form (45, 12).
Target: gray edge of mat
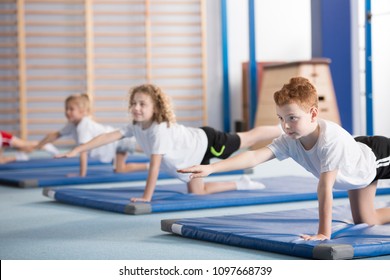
(46, 192)
(249, 171)
(333, 252)
(30, 183)
(138, 208)
(166, 225)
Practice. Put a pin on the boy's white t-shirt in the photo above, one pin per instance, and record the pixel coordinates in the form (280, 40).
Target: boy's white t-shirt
(180, 146)
(335, 149)
(86, 130)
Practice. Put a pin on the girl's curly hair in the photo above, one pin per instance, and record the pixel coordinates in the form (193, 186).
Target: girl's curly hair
(162, 111)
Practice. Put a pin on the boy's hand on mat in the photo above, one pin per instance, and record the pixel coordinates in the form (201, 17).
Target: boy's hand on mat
(197, 171)
(139, 199)
(315, 237)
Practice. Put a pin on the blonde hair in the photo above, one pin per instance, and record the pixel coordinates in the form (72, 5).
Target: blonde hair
(162, 107)
(299, 90)
(81, 100)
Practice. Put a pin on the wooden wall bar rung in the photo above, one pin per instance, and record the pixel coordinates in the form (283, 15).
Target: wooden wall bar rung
(175, 34)
(54, 88)
(187, 2)
(8, 88)
(47, 99)
(181, 66)
(7, 12)
(55, 56)
(176, 55)
(120, 55)
(186, 45)
(172, 13)
(56, 34)
(8, 122)
(9, 100)
(56, 66)
(188, 119)
(187, 97)
(173, 24)
(55, 45)
(193, 76)
(63, 77)
(56, 1)
(139, 2)
(117, 13)
(119, 77)
(8, 111)
(104, 23)
(118, 34)
(123, 45)
(8, 34)
(117, 66)
(7, 67)
(8, 78)
(45, 110)
(7, 45)
(7, 23)
(55, 12)
(54, 23)
(45, 121)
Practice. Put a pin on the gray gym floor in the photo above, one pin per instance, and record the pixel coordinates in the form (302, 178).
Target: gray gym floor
(34, 227)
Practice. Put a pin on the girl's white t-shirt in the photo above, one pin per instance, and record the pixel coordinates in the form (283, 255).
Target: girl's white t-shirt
(335, 149)
(180, 146)
(86, 130)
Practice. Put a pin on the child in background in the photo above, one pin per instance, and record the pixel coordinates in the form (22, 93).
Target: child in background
(327, 151)
(82, 128)
(23, 147)
(173, 146)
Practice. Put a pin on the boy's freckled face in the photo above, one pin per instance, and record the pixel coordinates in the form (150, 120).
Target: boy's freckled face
(295, 122)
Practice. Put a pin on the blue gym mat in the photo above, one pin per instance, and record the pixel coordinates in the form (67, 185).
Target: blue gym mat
(56, 176)
(279, 232)
(61, 162)
(176, 197)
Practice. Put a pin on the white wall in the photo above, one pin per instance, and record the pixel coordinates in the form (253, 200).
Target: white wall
(381, 65)
(380, 25)
(283, 30)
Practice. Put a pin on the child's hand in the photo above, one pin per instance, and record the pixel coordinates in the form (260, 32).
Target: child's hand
(66, 155)
(315, 237)
(139, 199)
(197, 171)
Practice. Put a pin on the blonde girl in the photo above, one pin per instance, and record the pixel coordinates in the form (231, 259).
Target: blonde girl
(82, 128)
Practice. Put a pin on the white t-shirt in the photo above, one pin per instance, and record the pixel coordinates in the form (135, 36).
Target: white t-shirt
(335, 149)
(179, 145)
(86, 130)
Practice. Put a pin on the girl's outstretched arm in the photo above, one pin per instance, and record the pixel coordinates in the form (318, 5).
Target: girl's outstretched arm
(154, 168)
(243, 160)
(98, 141)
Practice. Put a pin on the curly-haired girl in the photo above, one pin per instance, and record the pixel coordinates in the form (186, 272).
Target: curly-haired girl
(172, 146)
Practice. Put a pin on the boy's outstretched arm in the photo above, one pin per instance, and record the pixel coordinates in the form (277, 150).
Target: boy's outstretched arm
(98, 141)
(154, 168)
(243, 160)
(325, 203)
